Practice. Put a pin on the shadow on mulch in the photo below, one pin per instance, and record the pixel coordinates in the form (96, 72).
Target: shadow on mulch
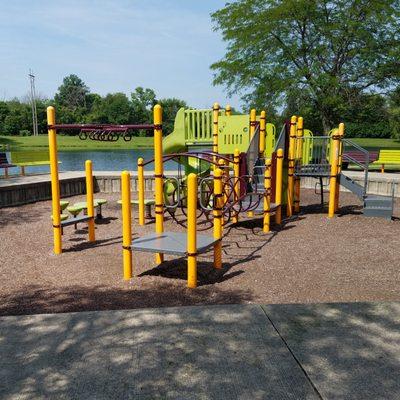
(39, 300)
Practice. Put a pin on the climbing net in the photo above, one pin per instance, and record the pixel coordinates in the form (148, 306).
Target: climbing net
(240, 194)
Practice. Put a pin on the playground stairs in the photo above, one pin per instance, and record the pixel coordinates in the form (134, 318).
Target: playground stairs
(373, 205)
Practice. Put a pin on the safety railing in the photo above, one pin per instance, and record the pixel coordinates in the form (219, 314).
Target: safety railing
(198, 126)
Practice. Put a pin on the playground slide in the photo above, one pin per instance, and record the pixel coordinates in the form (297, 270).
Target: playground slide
(175, 141)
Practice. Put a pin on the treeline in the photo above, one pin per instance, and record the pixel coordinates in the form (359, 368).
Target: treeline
(365, 115)
(76, 104)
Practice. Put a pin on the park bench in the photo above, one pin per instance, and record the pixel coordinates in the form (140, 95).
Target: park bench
(30, 159)
(391, 157)
(350, 157)
(5, 164)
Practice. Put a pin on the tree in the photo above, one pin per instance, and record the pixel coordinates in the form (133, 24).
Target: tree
(328, 49)
(142, 103)
(112, 109)
(170, 108)
(72, 93)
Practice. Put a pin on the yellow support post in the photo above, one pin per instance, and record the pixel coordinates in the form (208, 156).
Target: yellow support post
(299, 157)
(158, 175)
(141, 190)
(253, 121)
(228, 110)
(333, 176)
(191, 231)
(341, 135)
(291, 158)
(236, 174)
(217, 212)
(215, 130)
(279, 184)
(55, 185)
(126, 224)
(90, 199)
(263, 125)
(267, 196)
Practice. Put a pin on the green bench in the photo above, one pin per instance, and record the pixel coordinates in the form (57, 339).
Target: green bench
(30, 159)
(391, 157)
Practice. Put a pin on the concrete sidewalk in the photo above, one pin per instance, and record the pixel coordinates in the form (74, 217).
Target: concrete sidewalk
(328, 351)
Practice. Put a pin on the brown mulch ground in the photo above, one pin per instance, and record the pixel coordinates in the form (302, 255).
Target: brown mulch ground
(310, 259)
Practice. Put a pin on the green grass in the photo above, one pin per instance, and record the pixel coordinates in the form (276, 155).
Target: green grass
(71, 143)
(377, 144)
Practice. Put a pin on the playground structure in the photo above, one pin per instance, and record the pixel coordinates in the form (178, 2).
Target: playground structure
(228, 165)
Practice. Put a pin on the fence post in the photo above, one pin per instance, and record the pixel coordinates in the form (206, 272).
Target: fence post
(141, 190)
(267, 196)
(334, 172)
(278, 191)
(191, 231)
(126, 224)
(299, 157)
(55, 185)
(158, 175)
(291, 159)
(217, 212)
(90, 199)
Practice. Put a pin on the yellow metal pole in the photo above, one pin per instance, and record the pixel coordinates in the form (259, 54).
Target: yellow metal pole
(228, 110)
(263, 125)
(141, 190)
(215, 130)
(224, 177)
(291, 158)
(279, 184)
(126, 224)
(236, 174)
(341, 135)
(299, 156)
(217, 218)
(158, 175)
(267, 196)
(55, 185)
(253, 120)
(191, 231)
(90, 199)
(333, 177)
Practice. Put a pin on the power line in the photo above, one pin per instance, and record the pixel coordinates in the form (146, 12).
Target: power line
(33, 103)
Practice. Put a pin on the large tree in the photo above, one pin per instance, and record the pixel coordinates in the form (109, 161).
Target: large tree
(72, 93)
(328, 49)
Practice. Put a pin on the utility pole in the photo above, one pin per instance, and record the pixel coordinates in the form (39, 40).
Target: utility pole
(33, 103)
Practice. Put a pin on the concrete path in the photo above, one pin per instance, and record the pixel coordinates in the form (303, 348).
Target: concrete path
(332, 351)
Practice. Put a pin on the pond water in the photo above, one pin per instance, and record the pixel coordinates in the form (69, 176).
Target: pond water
(115, 160)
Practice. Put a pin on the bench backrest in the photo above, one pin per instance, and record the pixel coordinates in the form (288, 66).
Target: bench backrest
(3, 158)
(360, 156)
(30, 156)
(389, 156)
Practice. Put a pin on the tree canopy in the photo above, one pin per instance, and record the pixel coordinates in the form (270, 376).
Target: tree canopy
(76, 104)
(327, 52)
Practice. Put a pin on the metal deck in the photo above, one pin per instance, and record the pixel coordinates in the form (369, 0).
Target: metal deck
(171, 243)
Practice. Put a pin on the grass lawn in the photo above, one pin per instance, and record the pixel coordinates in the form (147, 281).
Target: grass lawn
(377, 144)
(72, 143)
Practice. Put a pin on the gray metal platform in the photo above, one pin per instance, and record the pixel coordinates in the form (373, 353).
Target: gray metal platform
(171, 243)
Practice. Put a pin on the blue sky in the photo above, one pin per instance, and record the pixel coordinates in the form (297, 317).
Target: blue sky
(114, 46)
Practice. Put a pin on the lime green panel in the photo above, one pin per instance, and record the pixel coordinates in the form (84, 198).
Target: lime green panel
(308, 143)
(175, 141)
(233, 133)
(198, 127)
(270, 138)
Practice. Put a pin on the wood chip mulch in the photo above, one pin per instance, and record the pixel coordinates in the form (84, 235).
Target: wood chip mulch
(309, 259)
